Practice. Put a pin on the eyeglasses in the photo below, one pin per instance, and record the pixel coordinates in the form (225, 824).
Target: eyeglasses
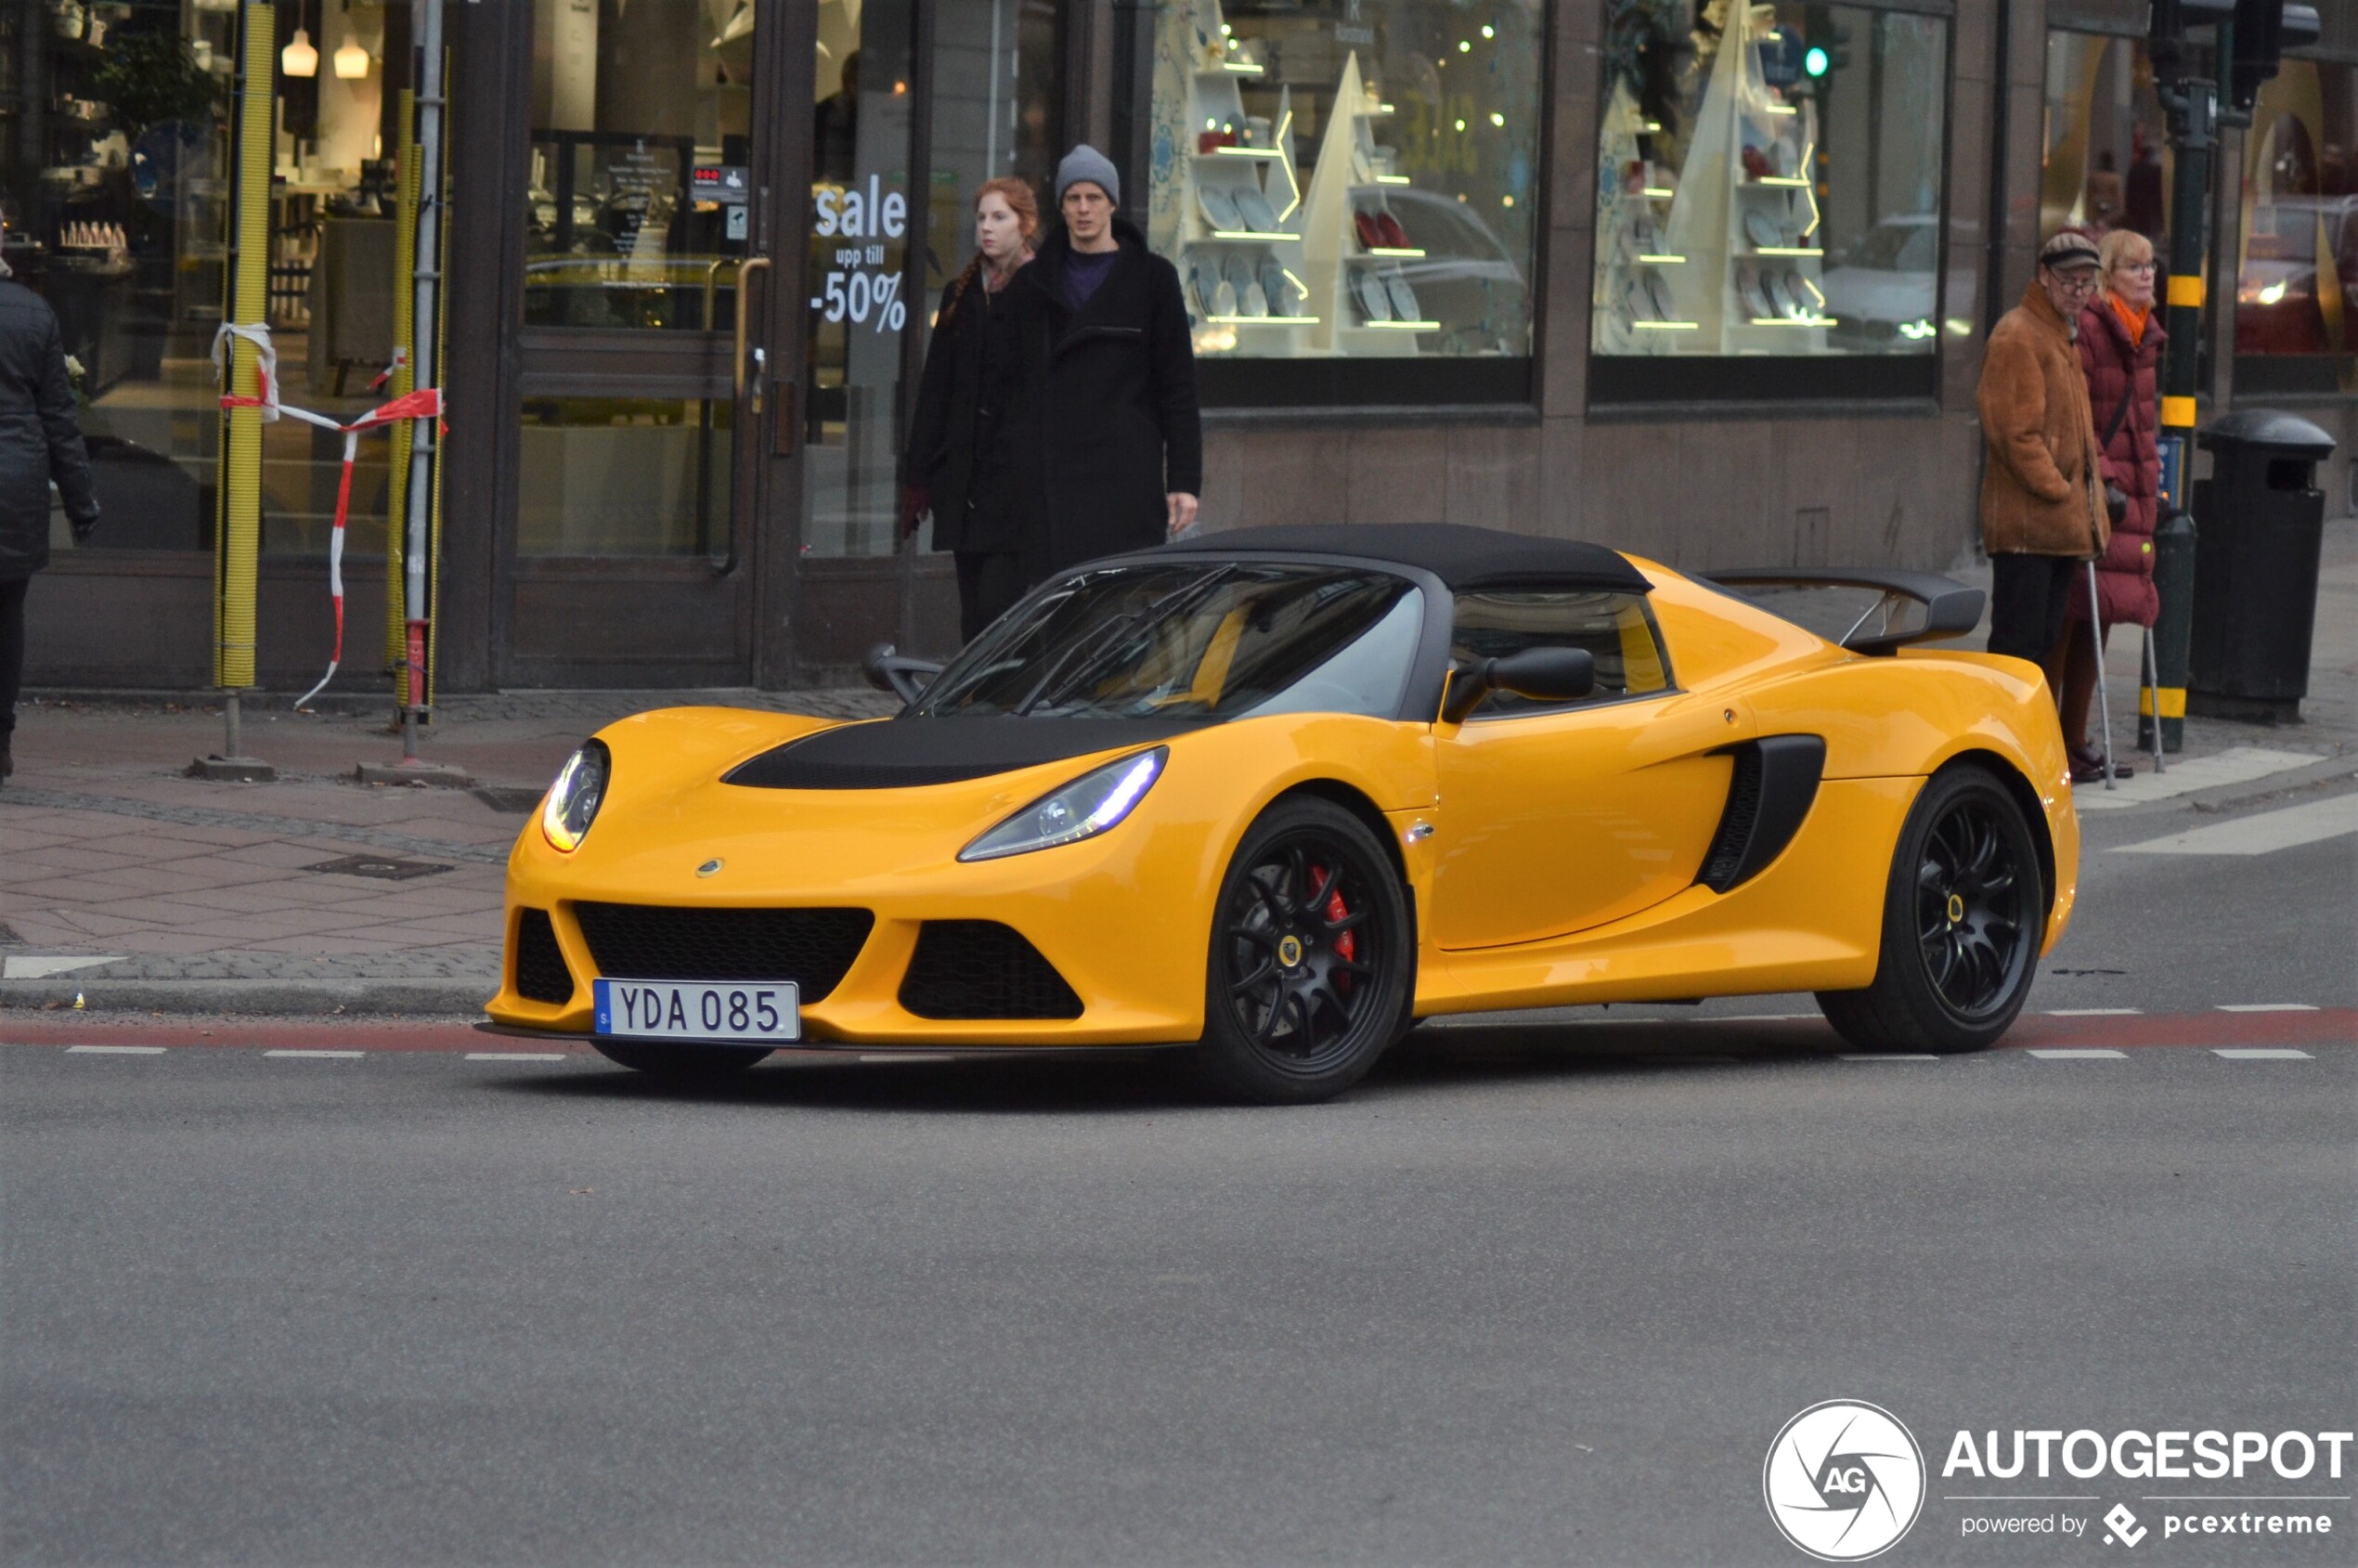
(2075, 282)
(2144, 267)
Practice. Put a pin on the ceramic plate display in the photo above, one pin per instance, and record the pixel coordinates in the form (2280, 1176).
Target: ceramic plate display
(1805, 303)
(1219, 207)
(1364, 225)
(1238, 273)
(1764, 228)
(1779, 303)
(1223, 300)
(1374, 303)
(1255, 302)
(1403, 299)
(1637, 301)
(1274, 288)
(1658, 290)
(1255, 210)
(1394, 237)
(1755, 293)
(1207, 272)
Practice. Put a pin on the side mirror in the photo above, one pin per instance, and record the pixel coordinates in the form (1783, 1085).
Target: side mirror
(1548, 674)
(888, 671)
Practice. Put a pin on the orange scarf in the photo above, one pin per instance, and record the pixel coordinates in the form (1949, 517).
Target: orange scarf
(2135, 320)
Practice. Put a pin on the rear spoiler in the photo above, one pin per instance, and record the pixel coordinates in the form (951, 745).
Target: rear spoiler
(1951, 608)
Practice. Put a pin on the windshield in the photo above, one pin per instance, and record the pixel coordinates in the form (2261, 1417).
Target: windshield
(1205, 641)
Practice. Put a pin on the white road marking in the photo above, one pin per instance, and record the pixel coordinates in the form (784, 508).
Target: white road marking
(2096, 1012)
(516, 1056)
(2312, 821)
(2075, 1053)
(1888, 1056)
(26, 967)
(2240, 765)
(2267, 1007)
(2261, 1054)
(115, 1050)
(331, 1055)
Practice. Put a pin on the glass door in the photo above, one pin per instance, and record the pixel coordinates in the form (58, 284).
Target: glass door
(633, 558)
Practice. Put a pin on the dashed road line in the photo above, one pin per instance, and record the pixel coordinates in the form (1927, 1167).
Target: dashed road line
(2261, 1054)
(1886, 1056)
(116, 1050)
(2312, 821)
(320, 1056)
(2267, 1007)
(518, 1057)
(2096, 1012)
(2078, 1053)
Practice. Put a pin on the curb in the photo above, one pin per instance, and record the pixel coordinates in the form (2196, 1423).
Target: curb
(302, 999)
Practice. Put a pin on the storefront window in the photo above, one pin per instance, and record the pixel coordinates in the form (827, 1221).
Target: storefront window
(628, 105)
(1768, 198)
(994, 115)
(115, 155)
(2297, 272)
(1348, 189)
(2106, 160)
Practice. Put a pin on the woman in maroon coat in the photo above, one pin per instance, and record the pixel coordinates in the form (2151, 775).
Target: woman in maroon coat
(2120, 348)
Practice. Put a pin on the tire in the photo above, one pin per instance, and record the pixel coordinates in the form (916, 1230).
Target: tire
(1312, 959)
(679, 1062)
(1964, 916)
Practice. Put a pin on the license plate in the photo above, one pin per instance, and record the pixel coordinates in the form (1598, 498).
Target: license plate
(768, 1011)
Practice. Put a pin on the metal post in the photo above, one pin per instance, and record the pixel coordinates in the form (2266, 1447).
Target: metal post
(426, 280)
(2194, 134)
(2104, 687)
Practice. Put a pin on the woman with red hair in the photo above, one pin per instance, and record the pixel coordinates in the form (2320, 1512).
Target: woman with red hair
(960, 463)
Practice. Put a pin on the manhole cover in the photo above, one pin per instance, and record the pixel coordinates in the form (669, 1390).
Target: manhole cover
(385, 868)
(502, 797)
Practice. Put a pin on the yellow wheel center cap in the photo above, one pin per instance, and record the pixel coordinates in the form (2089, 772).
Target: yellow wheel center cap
(1290, 951)
(1956, 907)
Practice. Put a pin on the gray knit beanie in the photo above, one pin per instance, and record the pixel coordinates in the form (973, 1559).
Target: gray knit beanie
(1085, 162)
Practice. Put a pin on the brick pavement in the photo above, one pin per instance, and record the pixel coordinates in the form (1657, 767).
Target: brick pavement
(108, 852)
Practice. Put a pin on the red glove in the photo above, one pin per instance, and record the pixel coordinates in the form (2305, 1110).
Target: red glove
(915, 503)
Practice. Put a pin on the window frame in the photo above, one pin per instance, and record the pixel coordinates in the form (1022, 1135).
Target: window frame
(1644, 603)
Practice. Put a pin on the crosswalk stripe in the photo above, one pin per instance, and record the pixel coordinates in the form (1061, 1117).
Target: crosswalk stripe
(2238, 765)
(2261, 1054)
(516, 1056)
(2312, 821)
(2267, 1006)
(331, 1056)
(115, 1050)
(2075, 1053)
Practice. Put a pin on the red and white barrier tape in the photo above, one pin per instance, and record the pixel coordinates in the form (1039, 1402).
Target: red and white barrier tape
(423, 403)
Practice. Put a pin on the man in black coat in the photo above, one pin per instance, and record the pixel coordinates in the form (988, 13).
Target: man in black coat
(1109, 404)
(39, 442)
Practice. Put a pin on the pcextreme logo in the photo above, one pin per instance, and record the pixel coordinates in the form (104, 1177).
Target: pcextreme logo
(1843, 1480)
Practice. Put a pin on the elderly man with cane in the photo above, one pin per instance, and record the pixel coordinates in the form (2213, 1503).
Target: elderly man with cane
(2043, 517)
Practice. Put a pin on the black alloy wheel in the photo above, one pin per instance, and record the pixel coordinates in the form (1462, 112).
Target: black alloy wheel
(1964, 916)
(1310, 957)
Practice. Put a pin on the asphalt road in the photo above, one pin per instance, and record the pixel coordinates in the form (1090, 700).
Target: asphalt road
(1535, 1293)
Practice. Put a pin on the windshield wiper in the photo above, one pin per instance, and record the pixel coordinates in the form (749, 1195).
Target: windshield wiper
(1051, 688)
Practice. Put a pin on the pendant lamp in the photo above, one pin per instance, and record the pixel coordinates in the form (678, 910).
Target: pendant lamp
(352, 60)
(299, 59)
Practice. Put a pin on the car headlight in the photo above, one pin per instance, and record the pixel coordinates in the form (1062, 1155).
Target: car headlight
(573, 799)
(1082, 809)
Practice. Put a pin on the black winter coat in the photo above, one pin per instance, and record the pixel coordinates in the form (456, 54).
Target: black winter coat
(1110, 405)
(39, 440)
(966, 401)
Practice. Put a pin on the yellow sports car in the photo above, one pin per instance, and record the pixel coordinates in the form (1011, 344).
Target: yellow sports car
(1278, 792)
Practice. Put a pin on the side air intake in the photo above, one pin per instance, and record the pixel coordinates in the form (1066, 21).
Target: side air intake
(1774, 786)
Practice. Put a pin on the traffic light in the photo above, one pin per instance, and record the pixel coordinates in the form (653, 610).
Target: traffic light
(2265, 29)
(2172, 20)
(1825, 42)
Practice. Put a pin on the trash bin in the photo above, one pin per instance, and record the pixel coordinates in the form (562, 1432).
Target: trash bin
(2260, 525)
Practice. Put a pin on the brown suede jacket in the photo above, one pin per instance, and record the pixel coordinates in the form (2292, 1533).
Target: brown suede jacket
(2040, 492)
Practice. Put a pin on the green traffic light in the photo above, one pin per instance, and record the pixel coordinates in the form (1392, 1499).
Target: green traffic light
(1815, 62)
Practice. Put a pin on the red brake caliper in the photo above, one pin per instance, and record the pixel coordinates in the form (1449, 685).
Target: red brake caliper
(1347, 944)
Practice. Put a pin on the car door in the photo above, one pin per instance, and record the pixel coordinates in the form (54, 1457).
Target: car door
(1557, 817)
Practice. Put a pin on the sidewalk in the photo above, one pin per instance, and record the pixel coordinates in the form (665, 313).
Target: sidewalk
(138, 889)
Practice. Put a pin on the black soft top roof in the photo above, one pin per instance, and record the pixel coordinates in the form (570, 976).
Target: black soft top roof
(1461, 557)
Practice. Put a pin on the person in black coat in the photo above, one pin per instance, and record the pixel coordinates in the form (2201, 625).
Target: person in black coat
(1109, 414)
(39, 442)
(960, 463)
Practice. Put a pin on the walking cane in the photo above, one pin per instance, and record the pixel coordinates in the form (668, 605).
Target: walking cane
(2103, 689)
(2152, 705)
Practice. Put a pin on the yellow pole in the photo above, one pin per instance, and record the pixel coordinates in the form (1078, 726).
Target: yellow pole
(405, 380)
(237, 548)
